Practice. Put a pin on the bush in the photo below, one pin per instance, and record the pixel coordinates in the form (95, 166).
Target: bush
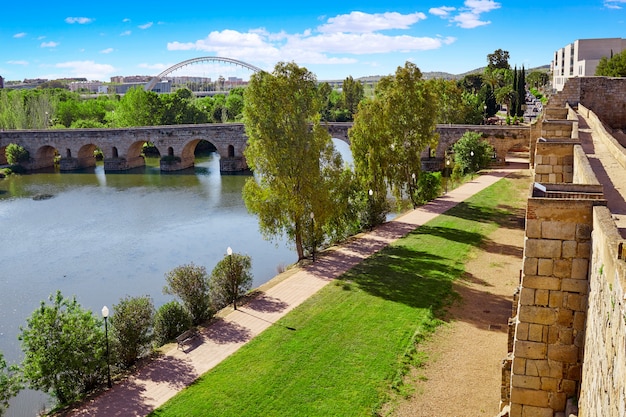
(191, 284)
(131, 326)
(171, 319)
(10, 383)
(230, 279)
(16, 154)
(428, 187)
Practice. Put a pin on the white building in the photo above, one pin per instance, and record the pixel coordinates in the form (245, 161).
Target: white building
(581, 58)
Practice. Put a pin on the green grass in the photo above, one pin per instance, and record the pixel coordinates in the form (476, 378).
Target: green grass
(354, 340)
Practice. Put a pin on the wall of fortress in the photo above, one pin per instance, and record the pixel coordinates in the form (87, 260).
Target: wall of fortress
(569, 326)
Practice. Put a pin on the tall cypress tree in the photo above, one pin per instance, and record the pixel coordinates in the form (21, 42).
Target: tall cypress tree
(521, 91)
(515, 102)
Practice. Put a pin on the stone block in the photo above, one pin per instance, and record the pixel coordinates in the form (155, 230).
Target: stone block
(544, 267)
(536, 333)
(543, 169)
(557, 401)
(579, 321)
(519, 366)
(530, 397)
(574, 302)
(562, 268)
(533, 229)
(537, 315)
(584, 250)
(527, 296)
(580, 268)
(550, 384)
(556, 299)
(530, 411)
(569, 386)
(565, 317)
(558, 230)
(530, 266)
(570, 249)
(523, 381)
(542, 248)
(530, 350)
(583, 232)
(563, 353)
(521, 332)
(575, 285)
(545, 283)
(542, 297)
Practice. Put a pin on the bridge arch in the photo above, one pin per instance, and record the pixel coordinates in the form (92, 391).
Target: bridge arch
(153, 82)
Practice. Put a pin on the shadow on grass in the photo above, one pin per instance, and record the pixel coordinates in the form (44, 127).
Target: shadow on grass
(415, 278)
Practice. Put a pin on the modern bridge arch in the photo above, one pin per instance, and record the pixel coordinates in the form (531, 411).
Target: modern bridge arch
(153, 82)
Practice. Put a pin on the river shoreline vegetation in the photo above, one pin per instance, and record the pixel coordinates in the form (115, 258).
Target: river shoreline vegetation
(302, 189)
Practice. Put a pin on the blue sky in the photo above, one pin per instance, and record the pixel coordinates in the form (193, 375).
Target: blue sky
(333, 39)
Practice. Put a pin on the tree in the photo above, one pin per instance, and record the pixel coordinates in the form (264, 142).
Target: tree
(538, 79)
(614, 66)
(498, 59)
(131, 328)
(16, 154)
(471, 153)
(396, 127)
(10, 383)
(138, 108)
(170, 320)
(230, 279)
(190, 283)
(64, 349)
(296, 165)
(351, 95)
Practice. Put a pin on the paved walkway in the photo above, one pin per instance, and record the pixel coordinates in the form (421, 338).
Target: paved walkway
(609, 172)
(160, 380)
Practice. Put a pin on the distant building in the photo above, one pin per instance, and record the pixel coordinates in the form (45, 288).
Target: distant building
(1, 82)
(581, 58)
(82, 86)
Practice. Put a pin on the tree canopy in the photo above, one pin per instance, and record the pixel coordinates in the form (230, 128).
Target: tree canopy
(498, 59)
(297, 168)
(614, 66)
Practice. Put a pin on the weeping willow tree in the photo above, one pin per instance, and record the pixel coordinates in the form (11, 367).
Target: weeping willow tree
(27, 109)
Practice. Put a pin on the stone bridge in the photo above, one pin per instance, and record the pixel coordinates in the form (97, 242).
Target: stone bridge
(122, 148)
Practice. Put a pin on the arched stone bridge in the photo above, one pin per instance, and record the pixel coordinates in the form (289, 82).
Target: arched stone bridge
(122, 148)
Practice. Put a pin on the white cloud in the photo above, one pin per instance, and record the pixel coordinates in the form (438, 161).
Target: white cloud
(49, 44)
(19, 35)
(107, 51)
(443, 11)
(126, 33)
(88, 69)
(79, 20)
(614, 4)
(359, 22)
(18, 62)
(469, 20)
(365, 43)
(481, 6)
(126, 20)
(146, 26)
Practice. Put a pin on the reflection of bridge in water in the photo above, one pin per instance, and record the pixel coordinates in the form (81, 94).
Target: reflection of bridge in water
(122, 148)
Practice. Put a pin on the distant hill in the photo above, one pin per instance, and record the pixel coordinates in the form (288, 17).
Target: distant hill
(444, 75)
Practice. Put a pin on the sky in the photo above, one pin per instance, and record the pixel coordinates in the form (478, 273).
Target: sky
(333, 39)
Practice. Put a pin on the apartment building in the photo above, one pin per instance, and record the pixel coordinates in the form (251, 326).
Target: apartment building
(581, 58)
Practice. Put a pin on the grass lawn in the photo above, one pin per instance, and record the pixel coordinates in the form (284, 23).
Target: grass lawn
(353, 341)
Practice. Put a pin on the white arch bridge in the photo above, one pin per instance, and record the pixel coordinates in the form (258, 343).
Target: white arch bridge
(153, 82)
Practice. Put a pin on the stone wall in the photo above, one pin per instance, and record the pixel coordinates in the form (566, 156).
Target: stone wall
(554, 161)
(603, 133)
(583, 173)
(603, 389)
(549, 334)
(605, 96)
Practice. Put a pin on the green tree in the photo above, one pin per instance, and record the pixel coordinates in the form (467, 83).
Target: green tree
(296, 165)
(234, 104)
(230, 279)
(498, 59)
(472, 153)
(190, 283)
(10, 383)
(351, 95)
(138, 108)
(170, 320)
(131, 328)
(538, 79)
(16, 154)
(400, 124)
(64, 349)
(614, 66)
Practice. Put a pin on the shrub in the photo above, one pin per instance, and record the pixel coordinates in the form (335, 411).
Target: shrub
(191, 284)
(131, 326)
(16, 154)
(230, 279)
(171, 319)
(428, 187)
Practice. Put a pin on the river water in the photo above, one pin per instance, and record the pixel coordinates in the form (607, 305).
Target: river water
(101, 237)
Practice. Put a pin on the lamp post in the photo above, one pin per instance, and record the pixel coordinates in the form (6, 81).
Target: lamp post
(313, 236)
(105, 314)
(447, 173)
(231, 278)
(472, 156)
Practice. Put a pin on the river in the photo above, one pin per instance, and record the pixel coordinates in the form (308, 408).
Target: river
(101, 237)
